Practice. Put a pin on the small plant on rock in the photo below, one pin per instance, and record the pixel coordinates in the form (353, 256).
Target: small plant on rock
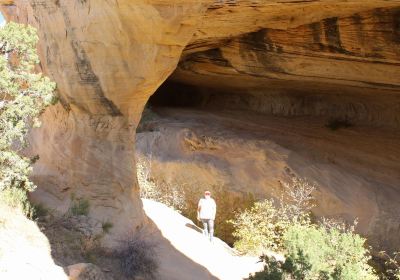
(39, 211)
(106, 226)
(80, 206)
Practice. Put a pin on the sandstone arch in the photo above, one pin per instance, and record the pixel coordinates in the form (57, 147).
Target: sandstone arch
(108, 57)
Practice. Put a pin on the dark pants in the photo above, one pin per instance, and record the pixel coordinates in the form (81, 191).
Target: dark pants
(208, 228)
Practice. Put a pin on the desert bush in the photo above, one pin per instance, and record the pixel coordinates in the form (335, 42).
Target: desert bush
(17, 198)
(318, 252)
(137, 257)
(390, 269)
(297, 200)
(80, 206)
(273, 270)
(329, 253)
(172, 195)
(24, 94)
(39, 211)
(261, 228)
(106, 227)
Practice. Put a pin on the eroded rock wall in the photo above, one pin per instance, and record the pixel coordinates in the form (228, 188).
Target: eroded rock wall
(107, 59)
(336, 64)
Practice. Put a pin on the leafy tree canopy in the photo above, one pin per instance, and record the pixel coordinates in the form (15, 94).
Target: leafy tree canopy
(24, 94)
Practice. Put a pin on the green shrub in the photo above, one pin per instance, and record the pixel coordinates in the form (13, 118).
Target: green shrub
(17, 198)
(106, 226)
(39, 211)
(327, 252)
(388, 265)
(79, 207)
(319, 252)
(24, 94)
(261, 228)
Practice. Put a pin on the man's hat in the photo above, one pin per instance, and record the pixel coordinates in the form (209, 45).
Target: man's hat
(207, 192)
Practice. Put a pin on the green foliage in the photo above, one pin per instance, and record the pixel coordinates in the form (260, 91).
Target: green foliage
(261, 228)
(327, 253)
(320, 252)
(273, 270)
(16, 198)
(390, 265)
(329, 250)
(24, 94)
(80, 206)
(106, 226)
(39, 211)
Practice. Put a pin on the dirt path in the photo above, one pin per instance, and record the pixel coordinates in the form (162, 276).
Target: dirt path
(183, 242)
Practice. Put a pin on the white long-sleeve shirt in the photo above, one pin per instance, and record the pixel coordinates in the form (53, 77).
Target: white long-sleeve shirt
(207, 208)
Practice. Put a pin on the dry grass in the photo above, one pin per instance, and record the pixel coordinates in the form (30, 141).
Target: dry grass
(137, 257)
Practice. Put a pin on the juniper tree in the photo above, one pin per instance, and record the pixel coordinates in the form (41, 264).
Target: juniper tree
(24, 94)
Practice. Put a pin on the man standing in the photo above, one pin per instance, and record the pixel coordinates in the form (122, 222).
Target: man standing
(206, 211)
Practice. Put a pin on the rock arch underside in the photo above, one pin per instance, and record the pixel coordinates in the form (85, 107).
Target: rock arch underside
(321, 59)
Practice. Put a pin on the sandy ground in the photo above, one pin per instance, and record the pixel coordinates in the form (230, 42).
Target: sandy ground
(184, 253)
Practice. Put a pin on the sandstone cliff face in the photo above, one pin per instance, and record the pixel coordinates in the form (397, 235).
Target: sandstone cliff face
(333, 60)
(107, 59)
(329, 59)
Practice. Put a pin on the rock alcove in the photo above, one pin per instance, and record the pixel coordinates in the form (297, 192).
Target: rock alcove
(272, 73)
